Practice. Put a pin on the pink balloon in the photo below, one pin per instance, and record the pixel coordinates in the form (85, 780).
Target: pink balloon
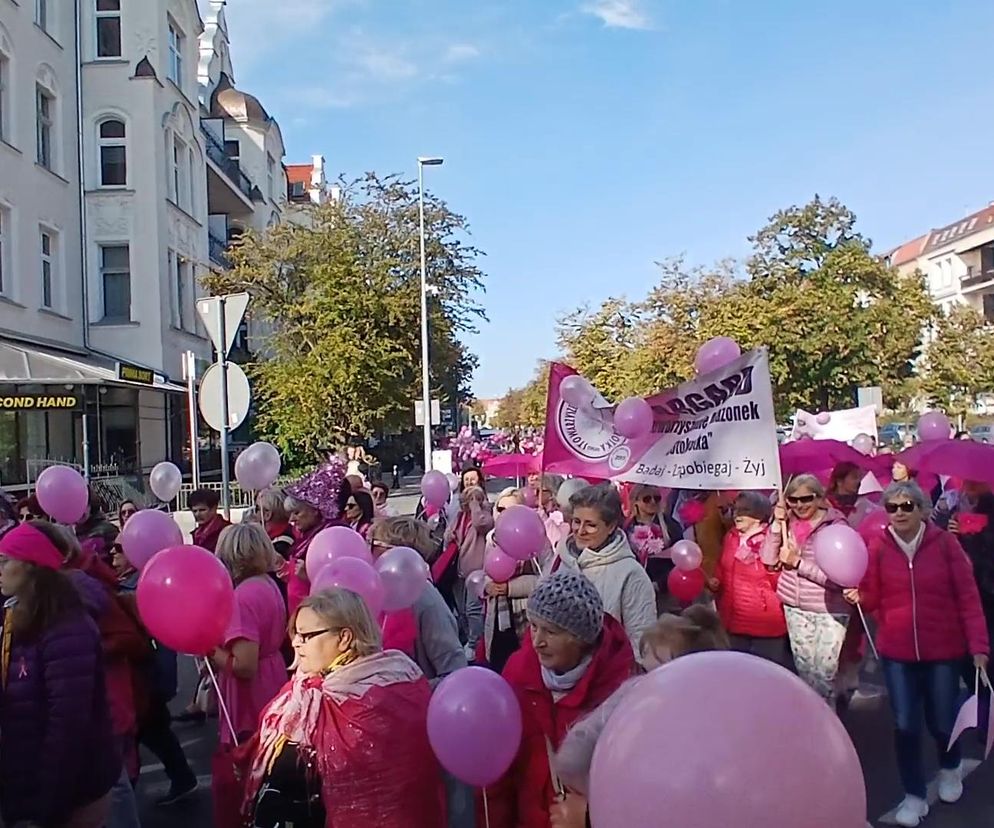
(63, 494)
(435, 488)
(356, 576)
(147, 532)
(841, 554)
(934, 425)
(476, 583)
(165, 480)
(716, 353)
(824, 418)
(722, 710)
(577, 391)
(633, 418)
(873, 525)
(685, 586)
(333, 543)
(499, 565)
(258, 466)
(687, 555)
(520, 532)
(530, 496)
(185, 598)
(404, 574)
(474, 725)
(864, 444)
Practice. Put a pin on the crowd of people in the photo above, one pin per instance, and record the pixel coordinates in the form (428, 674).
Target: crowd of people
(322, 706)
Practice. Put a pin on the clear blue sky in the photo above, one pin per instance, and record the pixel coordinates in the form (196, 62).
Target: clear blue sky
(586, 139)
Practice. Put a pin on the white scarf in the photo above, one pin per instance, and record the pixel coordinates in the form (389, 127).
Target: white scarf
(910, 547)
(564, 682)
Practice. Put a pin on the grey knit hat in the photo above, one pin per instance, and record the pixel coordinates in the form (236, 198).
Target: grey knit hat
(570, 601)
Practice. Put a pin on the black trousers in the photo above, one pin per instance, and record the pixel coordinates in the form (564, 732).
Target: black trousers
(156, 734)
(776, 649)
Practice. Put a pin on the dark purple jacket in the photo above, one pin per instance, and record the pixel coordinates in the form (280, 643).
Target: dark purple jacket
(57, 751)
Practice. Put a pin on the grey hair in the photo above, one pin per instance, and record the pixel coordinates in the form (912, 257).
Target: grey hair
(552, 482)
(805, 481)
(602, 497)
(512, 492)
(910, 490)
(274, 502)
(292, 504)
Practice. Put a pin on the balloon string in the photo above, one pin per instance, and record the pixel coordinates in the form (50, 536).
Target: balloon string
(486, 810)
(869, 636)
(220, 700)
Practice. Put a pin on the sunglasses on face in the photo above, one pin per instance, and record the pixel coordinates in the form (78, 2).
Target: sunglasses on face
(651, 498)
(499, 509)
(351, 505)
(798, 500)
(892, 508)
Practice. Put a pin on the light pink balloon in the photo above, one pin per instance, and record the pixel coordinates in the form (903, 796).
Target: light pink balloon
(333, 543)
(520, 532)
(356, 576)
(824, 418)
(499, 565)
(63, 494)
(687, 555)
(864, 444)
(841, 554)
(165, 480)
(934, 426)
(435, 488)
(404, 574)
(476, 583)
(715, 354)
(633, 418)
(576, 391)
(258, 467)
(725, 710)
(147, 532)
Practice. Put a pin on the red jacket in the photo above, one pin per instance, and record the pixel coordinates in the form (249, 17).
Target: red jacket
(522, 798)
(928, 608)
(747, 591)
(206, 536)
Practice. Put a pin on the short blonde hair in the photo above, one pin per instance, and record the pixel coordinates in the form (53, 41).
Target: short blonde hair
(510, 491)
(695, 630)
(805, 481)
(274, 502)
(403, 531)
(344, 609)
(246, 550)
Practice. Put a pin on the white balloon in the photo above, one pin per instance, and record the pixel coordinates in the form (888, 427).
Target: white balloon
(568, 489)
(165, 481)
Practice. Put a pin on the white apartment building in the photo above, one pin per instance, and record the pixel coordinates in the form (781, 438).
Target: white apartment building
(128, 162)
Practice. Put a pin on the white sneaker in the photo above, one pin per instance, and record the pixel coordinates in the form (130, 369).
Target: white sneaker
(950, 785)
(911, 812)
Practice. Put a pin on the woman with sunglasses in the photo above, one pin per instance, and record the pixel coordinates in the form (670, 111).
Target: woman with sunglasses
(359, 511)
(127, 510)
(920, 587)
(817, 614)
(651, 531)
(345, 742)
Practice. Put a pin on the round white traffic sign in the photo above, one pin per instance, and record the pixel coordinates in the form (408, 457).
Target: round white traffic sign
(239, 396)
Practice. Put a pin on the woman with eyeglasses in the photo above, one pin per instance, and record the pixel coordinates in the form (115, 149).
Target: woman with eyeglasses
(651, 531)
(920, 587)
(359, 511)
(817, 614)
(345, 742)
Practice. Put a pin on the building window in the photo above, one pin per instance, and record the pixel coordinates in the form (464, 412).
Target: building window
(270, 176)
(108, 28)
(181, 175)
(113, 154)
(48, 262)
(4, 92)
(191, 169)
(45, 113)
(115, 275)
(42, 14)
(176, 40)
(233, 150)
(5, 233)
(179, 292)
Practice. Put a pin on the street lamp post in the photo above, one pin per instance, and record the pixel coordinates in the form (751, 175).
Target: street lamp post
(425, 388)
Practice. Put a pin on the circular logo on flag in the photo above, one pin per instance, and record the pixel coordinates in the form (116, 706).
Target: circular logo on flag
(588, 433)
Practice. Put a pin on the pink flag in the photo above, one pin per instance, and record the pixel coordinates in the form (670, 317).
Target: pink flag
(968, 715)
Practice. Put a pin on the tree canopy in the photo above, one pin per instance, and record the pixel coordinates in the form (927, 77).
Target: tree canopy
(958, 366)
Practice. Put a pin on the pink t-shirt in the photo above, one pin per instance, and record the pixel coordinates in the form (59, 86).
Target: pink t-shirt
(259, 616)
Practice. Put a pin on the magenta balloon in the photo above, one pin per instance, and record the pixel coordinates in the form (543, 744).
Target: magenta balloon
(474, 725)
(146, 533)
(687, 555)
(258, 466)
(824, 418)
(333, 543)
(933, 426)
(63, 494)
(576, 391)
(520, 532)
(716, 710)
(356, 576)
(841, 554)
(185, 598)
(716, 353)
(499, 565)
(435, 488)
(404, 574)
(476, 583)
(165, 481)
(530, 496)
(633, 418)
(874, 524)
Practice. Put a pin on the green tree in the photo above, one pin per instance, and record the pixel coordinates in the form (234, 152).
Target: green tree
(340, 295)
(525, 407)
(958, 366)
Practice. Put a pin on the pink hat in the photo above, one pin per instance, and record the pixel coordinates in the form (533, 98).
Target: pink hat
(320, 488)
(28, 544)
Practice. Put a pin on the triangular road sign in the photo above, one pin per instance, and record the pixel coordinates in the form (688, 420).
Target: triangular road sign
(234, 309)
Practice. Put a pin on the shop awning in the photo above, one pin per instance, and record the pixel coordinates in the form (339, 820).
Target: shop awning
(30, 364)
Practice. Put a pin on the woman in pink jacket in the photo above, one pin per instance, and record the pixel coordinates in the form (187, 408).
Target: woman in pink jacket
(920, 586)
(817, 614)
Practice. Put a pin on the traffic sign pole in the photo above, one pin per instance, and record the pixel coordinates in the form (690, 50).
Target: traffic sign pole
(222, 359)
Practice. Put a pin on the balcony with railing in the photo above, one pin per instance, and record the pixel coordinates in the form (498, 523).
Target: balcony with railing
(217, 248)
(230, 167)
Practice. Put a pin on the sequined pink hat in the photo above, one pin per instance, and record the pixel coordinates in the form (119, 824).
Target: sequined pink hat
(320, 488)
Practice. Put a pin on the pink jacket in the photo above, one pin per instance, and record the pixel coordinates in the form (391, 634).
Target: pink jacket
(469, 534)
(927, 607)
(807, 587)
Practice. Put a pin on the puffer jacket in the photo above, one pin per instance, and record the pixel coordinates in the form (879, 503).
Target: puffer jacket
(927, 607)
(747, 591)
(467, 537)
(807, 587)
(621, 581)
(57, 752)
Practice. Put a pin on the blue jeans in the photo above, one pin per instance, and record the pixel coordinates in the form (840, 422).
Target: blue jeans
(932, 686)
